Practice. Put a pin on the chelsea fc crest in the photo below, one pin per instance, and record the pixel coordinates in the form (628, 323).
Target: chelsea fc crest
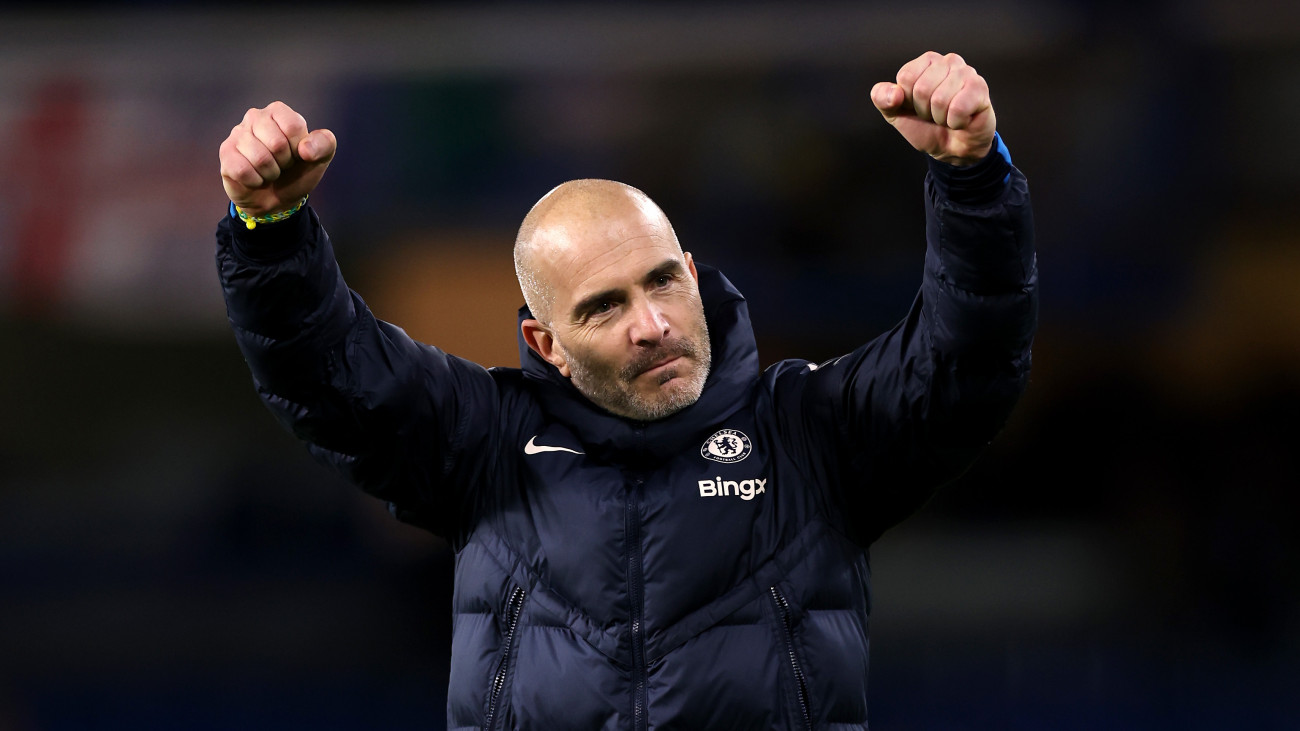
(728, 445)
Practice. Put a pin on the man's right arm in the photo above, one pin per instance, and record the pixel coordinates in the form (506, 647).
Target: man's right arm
(401, 419)
(909, 411)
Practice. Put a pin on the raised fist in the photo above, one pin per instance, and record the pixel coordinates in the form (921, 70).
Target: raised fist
(270, 160)
(941, 106)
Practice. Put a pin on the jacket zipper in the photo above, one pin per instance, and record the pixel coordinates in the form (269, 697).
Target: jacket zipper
(636, 590)
(801, 683)
(514, 607)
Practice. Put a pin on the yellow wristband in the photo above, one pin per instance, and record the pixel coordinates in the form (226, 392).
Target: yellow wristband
(252, 221)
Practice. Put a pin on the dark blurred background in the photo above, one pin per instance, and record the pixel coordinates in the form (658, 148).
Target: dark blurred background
(1122, 558)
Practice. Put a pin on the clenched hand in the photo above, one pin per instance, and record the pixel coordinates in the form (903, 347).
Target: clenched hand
(271, 160)
(941, 106)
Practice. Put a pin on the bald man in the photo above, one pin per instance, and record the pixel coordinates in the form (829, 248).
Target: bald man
(650, 530)
(593, 253)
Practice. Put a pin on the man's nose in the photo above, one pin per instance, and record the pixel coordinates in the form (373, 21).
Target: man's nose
(649, 325)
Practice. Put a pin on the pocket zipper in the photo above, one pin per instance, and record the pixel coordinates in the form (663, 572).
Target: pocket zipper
(514, 607)
(801, 682)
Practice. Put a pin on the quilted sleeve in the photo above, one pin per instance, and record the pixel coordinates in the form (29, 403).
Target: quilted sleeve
(405, 421)
(912, 409)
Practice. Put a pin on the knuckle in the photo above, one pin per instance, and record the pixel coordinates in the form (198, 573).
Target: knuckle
(242, 172)
(277, 145)
(260, 159)
(237, 169)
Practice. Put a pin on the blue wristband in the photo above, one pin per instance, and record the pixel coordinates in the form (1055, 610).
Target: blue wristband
(1003, 151)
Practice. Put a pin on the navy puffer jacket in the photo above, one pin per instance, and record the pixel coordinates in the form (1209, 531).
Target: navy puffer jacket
(705, 571)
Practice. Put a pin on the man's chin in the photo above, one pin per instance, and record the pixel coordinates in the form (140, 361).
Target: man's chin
(654, 393)
(670, 391)
(661, 408)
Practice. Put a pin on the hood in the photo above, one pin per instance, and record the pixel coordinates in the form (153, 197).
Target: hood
(608, 437)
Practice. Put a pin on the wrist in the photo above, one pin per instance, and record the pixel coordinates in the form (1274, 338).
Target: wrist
(269, 242)
(975, 184)
(252, 217)
(973, 158)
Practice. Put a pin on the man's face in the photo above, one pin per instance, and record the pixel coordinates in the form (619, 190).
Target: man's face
(626, 316)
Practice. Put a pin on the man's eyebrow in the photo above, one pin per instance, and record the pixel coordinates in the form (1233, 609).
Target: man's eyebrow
(669, 266)
(590, 301)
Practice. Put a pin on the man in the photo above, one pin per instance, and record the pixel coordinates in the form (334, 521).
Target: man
(649, 530)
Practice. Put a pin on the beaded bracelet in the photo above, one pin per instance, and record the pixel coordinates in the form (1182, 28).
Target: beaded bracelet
(252, 221)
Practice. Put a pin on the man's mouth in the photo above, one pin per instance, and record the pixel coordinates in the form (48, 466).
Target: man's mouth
(658, 364)
(661, 366)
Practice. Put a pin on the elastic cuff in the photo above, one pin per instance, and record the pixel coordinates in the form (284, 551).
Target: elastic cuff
(974, 185)
(270, 241)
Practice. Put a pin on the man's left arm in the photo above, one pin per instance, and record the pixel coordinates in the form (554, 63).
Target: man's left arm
(913, 408)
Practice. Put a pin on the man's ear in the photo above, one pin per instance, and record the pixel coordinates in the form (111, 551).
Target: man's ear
(542, 341)
(690, 266)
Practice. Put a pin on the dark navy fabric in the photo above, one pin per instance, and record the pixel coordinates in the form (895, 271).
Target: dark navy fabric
(705, 571)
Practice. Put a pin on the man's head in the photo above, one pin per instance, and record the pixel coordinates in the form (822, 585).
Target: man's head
(616, 300)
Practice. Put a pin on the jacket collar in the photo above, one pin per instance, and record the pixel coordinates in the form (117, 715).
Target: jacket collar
(608, 437)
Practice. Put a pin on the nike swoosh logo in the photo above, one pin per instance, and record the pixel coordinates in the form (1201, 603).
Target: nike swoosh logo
(531, 448)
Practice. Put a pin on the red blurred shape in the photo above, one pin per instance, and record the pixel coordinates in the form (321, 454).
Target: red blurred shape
(49, 144)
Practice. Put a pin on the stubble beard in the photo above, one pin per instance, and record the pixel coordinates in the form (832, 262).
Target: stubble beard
(613, 388)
